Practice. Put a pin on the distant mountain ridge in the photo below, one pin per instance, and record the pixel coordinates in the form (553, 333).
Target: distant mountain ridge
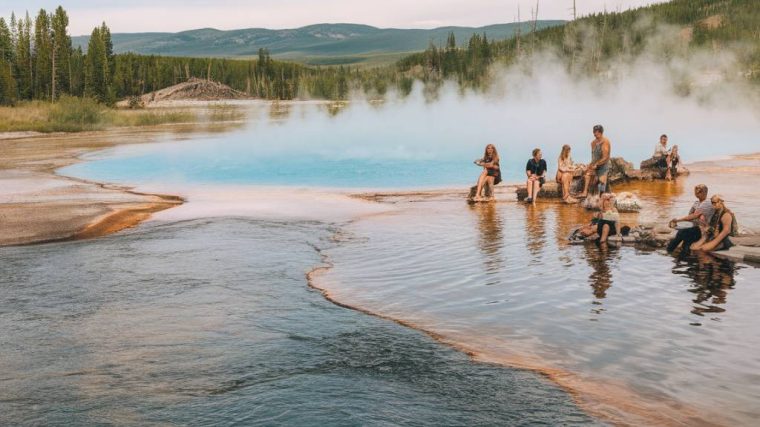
(351, 42)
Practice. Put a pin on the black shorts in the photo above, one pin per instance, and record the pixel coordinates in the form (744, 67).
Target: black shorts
(496, 174)
(602, 222)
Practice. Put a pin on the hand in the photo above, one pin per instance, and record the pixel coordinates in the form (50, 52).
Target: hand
(672, 223)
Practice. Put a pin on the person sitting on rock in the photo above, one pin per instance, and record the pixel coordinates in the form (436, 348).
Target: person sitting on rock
(491, 173)
(667, 158)
(599, 168)
(699, 214)
(565, 172)
(608, 218)
(536, 172)
(715, 235)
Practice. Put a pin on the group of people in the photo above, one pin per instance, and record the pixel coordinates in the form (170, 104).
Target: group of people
(595, 172)
(708, 224)
(707, 227)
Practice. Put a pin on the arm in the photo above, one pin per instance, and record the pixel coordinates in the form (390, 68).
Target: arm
(689, 217)
(543, 163)
(712, 244)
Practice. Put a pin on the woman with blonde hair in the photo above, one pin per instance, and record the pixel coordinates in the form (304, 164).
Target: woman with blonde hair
(565, 172)
(608, 218)
(491, 173)
(722, 224)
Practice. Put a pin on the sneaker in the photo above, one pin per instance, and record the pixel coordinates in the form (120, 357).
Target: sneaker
(529, 200)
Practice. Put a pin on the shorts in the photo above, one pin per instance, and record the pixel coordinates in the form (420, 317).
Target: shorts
(603, 170)
(600, 225)
(496, 174)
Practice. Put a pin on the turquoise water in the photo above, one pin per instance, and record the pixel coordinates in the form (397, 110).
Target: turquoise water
(411, 145)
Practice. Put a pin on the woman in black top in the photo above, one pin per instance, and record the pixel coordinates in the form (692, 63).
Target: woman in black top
(536, 171)
(491, 172)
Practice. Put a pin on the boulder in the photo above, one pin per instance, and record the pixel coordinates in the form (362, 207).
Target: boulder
(550, 190)
(619, 170)
(650, 169)
(487, 191)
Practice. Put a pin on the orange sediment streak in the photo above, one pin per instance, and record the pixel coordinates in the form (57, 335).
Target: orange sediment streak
(121, 219)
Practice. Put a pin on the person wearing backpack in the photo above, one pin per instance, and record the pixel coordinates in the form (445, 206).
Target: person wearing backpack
(715, 237)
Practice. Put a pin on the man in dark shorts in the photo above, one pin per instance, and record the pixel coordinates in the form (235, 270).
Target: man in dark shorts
(699, 214)
(536, 171)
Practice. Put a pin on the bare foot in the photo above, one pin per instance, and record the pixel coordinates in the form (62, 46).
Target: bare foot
(570, 200)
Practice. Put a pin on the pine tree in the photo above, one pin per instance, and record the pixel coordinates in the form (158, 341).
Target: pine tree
(95, 67)
(62, 51)
(7, 84)
(24, 70)
(77, 72)
(6, 42)
(105, 34)
(42, 54)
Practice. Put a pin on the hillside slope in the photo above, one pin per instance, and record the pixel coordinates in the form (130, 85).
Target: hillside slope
(315, 43)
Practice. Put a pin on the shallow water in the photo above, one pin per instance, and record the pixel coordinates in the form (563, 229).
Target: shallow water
(500, 279)
(664, 335)
(211, 322)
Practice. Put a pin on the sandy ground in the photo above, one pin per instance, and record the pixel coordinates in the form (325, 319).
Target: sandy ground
(36, 205)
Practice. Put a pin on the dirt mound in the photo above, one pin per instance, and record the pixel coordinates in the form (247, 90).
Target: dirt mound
(193, 89)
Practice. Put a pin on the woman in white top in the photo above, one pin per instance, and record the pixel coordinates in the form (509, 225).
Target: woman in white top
(608, 218)
(565, 173)
(668, 157)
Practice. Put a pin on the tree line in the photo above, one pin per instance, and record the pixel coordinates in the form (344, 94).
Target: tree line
(37, 61)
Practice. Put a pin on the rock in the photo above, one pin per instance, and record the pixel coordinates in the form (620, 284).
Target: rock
(651, 170)
(550, 190)
(487, 191)
(619, 170)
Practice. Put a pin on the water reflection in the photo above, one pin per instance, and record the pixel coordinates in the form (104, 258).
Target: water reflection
(711, 280)
(599, 257)
(568, 218)
(491, 237)
(535, 225)
(280, 112)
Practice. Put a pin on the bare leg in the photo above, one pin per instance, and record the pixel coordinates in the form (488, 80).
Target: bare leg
(529, 186)
(669, 164)
(587, 182)
(566, 179)
(481, 181)
(489, 180)
(536, 189)
(699, 243)
(603, 183)
(605, 233)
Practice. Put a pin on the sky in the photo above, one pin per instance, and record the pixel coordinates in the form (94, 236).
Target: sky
(179, 15)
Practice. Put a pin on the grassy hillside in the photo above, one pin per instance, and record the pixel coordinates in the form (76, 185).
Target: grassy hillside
(321, 44)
